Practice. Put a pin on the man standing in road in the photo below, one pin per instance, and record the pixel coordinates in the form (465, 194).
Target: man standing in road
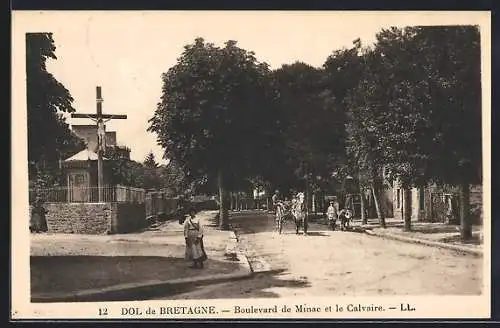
(276, 202)
(332, 215)
(276, 199)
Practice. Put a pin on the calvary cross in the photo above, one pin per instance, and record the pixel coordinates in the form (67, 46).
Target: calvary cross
(99, 118)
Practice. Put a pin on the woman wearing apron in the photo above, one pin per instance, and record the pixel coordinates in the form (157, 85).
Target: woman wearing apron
(193, 234)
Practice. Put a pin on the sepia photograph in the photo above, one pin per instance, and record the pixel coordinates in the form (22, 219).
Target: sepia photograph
(239, 164)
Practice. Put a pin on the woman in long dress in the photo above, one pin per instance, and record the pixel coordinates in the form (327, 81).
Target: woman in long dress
(193, 234)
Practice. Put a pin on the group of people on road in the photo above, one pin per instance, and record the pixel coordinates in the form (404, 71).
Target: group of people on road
(298, 210)
(343, 216)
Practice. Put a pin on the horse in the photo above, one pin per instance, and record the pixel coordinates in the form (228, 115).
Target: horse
(345, 217)
(299, 214)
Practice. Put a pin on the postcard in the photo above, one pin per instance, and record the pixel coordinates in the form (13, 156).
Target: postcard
(251, 165)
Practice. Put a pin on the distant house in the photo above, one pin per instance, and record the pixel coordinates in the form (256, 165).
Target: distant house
(89, 134)
(80, 169)
(434, 203)
(81, 176)
(431, 203)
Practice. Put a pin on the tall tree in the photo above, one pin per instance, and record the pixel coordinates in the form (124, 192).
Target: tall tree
(431, 78)
(365, 102)
(151, 173)
(312, 126)
(150, 161)
(388, 124)
(49, 137)
(213, 114)
(123, 170)
(452, 60)
(350, 79)
(175, 181)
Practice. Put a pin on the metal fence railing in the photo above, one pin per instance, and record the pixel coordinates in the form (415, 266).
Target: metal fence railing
(78, 194)
(129, 194)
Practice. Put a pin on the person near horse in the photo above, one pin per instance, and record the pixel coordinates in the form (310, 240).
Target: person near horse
(300, 213)
(332, 215)
(193, 235)
(345, 217)
(276, 199)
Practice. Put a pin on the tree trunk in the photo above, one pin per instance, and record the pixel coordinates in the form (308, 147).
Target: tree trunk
(380, 214)
(307, 195)
(407, 208)
(223, 204)
(321, 205)
(256, 201)
(364, 219)
(465, 223)
(313, 203)
(238, 205)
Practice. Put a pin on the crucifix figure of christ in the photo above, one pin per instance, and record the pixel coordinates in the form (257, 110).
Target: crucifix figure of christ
(100, 119)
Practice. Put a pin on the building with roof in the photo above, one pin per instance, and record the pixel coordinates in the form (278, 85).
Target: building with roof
(80, 169)
(89, 134)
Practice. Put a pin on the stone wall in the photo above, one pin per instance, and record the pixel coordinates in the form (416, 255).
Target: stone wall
(84, 218)
(94, 218)
(128, 218)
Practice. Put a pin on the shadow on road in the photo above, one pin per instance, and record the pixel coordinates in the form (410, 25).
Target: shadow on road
(69, 274)
(263, 281)
(235, 217)
(260, 285)
(259, 223)
(316, 234)
(474, 240)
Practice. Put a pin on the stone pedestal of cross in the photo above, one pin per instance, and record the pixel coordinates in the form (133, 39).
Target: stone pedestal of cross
(100, 119)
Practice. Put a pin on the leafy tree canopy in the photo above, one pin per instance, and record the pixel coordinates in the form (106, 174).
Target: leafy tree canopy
(49, 136)
(150, 161)
(214, 112)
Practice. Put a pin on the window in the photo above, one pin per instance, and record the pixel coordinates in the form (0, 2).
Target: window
(79, 179)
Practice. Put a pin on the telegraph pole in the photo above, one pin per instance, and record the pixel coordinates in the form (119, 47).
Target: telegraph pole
(99, 118)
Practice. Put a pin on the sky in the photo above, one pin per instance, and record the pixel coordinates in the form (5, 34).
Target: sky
(126, 52)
